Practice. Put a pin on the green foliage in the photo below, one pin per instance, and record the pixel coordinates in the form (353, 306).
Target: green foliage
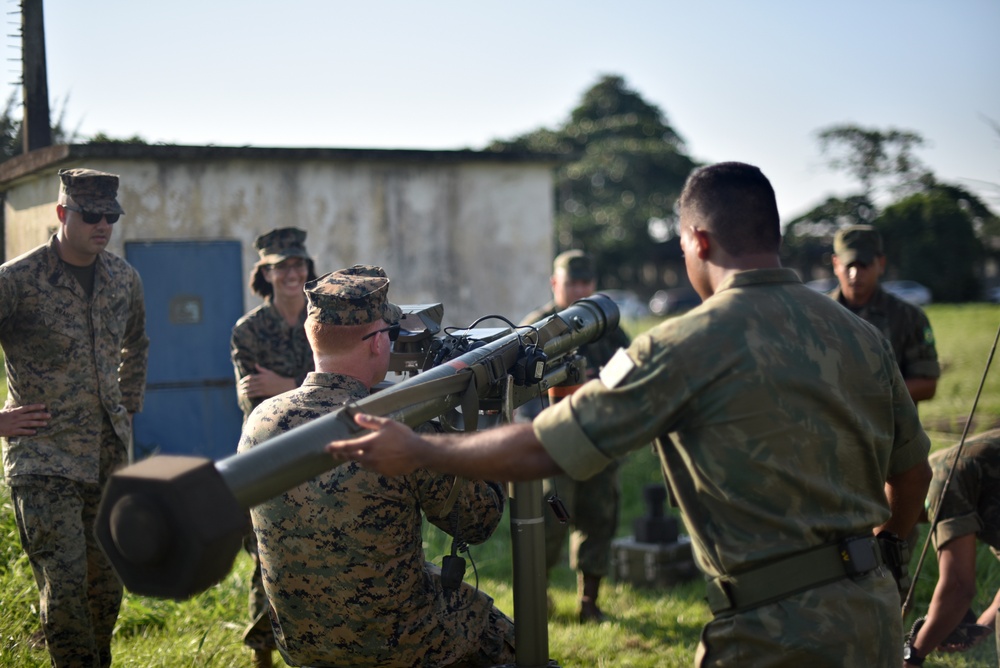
(929, 238)
(871, 155)
(625, 168)
(808, 240)
(101, 138)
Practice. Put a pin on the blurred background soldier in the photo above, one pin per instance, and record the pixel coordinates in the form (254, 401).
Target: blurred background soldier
(342, 554)
(269, 348)
(970, 510)
(858, 263)
(271, 355)
(592, 504)
(73, 329)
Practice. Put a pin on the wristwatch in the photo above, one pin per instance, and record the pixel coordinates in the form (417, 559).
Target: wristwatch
(911, 657)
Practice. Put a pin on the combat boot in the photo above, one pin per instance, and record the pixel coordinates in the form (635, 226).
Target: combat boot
(588, 587)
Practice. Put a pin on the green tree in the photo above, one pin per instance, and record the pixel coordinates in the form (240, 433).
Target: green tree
(873, 156)
(931, 237)
(808, 240)
(614, 195)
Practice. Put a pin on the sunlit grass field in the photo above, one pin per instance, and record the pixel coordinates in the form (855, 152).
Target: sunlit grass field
(648, 628)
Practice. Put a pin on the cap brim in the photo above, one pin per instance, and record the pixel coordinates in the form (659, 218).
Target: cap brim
(850, 256)
(275, 258)
(392, 313)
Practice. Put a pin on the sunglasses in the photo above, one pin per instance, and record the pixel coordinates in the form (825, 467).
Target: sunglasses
(393, 330)
(92, 218)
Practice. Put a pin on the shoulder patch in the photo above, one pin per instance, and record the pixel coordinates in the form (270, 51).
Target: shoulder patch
(617, 369)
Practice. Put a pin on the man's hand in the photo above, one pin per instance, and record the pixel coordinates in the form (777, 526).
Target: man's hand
(390, 449)
(23, 420)
(265, 383)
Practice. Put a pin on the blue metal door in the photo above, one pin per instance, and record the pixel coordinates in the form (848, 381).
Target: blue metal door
(194, 296)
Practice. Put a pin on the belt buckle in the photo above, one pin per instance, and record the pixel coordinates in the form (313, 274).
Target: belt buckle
(859, 556)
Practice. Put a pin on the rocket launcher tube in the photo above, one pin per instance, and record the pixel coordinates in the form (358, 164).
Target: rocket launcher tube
(172, 526)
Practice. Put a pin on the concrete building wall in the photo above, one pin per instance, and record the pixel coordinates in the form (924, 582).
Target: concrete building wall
(475, 235)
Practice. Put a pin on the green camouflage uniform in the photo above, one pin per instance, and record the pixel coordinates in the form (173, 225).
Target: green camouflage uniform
(592, 503)
(85, 359)
(343, 562)
(264, 337)
(342, 555)
(972, 504)
(907, 328)
(778, 417)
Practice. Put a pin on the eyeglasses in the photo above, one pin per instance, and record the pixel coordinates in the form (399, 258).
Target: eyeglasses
(393, 330)
(92, 218)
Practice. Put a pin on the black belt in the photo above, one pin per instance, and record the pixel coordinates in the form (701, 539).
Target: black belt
(853, 557)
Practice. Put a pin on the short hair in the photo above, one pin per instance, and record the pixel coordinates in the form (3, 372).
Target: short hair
(261, 286)
(736, 202)
(326, 338)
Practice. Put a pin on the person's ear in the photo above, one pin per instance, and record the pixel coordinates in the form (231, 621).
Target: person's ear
(61, 213)
(880, 260)
(703, 242)
(375, 345)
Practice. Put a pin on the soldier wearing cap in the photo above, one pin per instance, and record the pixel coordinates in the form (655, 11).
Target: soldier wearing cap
(73, 329)
(592, 504)
(342, 559)
(269, 349)
(271, 355)
(858, 263)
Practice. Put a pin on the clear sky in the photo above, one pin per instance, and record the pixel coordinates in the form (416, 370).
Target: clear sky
(749, 80)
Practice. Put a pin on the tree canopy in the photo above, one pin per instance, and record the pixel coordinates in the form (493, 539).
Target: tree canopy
(614, 195)
(873, 156)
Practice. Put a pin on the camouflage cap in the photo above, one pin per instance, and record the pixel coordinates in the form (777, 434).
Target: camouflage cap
(281, 244)
(857, 243)
(354, 296)
(89, 189)
(578, 265)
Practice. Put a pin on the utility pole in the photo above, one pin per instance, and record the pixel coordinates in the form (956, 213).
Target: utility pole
(37, 130)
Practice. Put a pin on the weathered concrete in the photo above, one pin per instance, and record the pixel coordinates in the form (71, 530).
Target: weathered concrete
(470, 229)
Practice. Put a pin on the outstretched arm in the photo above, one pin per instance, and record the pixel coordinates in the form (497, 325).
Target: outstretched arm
(510, 452)
(955, 590)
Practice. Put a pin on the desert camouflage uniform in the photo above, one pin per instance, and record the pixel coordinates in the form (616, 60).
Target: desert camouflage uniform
(778, 417)
(85, 359)
(593, 503)
(343, 561)
(907, 328)
(263, 337)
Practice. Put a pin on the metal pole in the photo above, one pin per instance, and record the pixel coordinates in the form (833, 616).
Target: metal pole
(527, 534)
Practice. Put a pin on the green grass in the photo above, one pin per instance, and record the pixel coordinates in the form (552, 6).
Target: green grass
(648, 628)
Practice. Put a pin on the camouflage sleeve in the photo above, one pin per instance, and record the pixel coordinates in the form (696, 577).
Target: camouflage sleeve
(910, 444)
(244, 356)
(919, 353)
(477, 509)
(8, 296)
(135, 350)
(959, 512)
